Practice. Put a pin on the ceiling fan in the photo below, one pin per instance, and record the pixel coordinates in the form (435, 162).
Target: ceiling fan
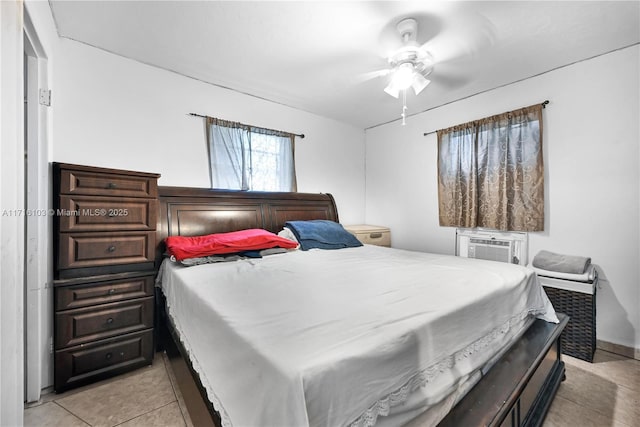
(410, 64)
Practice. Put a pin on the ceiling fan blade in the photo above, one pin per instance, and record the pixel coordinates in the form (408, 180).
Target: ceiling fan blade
(363, 77)
(463, 36)
(449, 80)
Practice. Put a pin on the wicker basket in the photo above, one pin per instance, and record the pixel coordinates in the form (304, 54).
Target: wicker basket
(579, 337)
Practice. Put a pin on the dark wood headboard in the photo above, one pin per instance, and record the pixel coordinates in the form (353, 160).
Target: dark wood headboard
(188, 211)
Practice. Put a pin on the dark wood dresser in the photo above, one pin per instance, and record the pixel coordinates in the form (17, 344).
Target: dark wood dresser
(104, 249)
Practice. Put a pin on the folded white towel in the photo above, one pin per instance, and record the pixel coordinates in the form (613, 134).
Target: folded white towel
(588, 276)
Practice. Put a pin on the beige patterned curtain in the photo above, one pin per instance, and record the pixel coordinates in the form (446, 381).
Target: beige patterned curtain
(491, 173)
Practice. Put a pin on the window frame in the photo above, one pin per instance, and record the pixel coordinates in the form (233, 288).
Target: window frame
(230, 145)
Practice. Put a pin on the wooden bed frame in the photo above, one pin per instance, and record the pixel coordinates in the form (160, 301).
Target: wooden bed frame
(516, 391)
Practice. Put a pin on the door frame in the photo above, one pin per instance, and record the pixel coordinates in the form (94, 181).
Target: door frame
(37, 259)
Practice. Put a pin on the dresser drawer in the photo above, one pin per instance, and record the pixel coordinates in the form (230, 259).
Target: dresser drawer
(88, 294)
(92, 213)
(379, 238)
(95, 183)
(371, 234)
(82, 325)
(77, 365)
(79, 250)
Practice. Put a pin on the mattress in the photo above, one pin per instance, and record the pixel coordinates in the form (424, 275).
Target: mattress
(345, 337)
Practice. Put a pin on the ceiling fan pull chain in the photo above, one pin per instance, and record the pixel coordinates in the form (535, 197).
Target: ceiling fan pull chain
(404, 107)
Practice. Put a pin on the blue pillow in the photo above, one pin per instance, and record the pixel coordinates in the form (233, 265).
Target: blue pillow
(322, 234)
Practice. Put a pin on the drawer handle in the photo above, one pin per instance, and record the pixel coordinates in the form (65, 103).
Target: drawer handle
(109, 320)
(108, 356)
(111, 185)
(111, 248)
(375, 235)
(111, 291)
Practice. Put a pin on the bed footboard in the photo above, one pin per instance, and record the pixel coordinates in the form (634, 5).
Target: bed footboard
(518, 390)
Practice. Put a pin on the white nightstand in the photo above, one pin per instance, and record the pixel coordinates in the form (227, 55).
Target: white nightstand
(371, 234)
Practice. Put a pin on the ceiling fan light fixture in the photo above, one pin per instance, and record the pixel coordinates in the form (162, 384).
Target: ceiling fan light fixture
(404, 76)
(419, 83)
(410, 64)
(392, 90)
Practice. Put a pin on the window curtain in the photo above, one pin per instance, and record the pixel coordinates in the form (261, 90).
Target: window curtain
(272, 163)
(243, 157)
(491, 173)
(229, 154)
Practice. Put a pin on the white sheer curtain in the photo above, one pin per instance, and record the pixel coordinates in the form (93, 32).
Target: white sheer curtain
(228, 152)
(248, 158)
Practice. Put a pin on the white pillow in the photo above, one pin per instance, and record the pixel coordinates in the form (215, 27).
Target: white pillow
(287, 234)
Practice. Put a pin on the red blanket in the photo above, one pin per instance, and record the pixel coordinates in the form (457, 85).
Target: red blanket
(183, 247)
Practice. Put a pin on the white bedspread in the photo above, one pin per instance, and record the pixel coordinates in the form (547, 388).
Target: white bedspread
(331, 338)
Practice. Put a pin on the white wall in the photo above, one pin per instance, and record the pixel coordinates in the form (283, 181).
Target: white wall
(591, 138)
(118, 113)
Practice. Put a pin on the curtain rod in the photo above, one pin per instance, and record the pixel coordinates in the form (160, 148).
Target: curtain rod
(544, 105)
(300, 135)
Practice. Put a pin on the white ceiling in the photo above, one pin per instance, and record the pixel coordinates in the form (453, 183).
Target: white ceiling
(310, 54)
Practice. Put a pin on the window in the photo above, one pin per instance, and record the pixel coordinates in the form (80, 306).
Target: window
(245, 157)
(491, 174)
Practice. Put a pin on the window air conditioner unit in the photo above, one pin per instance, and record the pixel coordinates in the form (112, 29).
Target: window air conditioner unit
(511, 247)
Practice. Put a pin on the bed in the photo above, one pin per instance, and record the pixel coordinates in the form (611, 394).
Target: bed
(338, 337)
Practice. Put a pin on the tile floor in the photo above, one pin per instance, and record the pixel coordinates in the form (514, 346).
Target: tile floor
(144, 397)
(603, 393)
